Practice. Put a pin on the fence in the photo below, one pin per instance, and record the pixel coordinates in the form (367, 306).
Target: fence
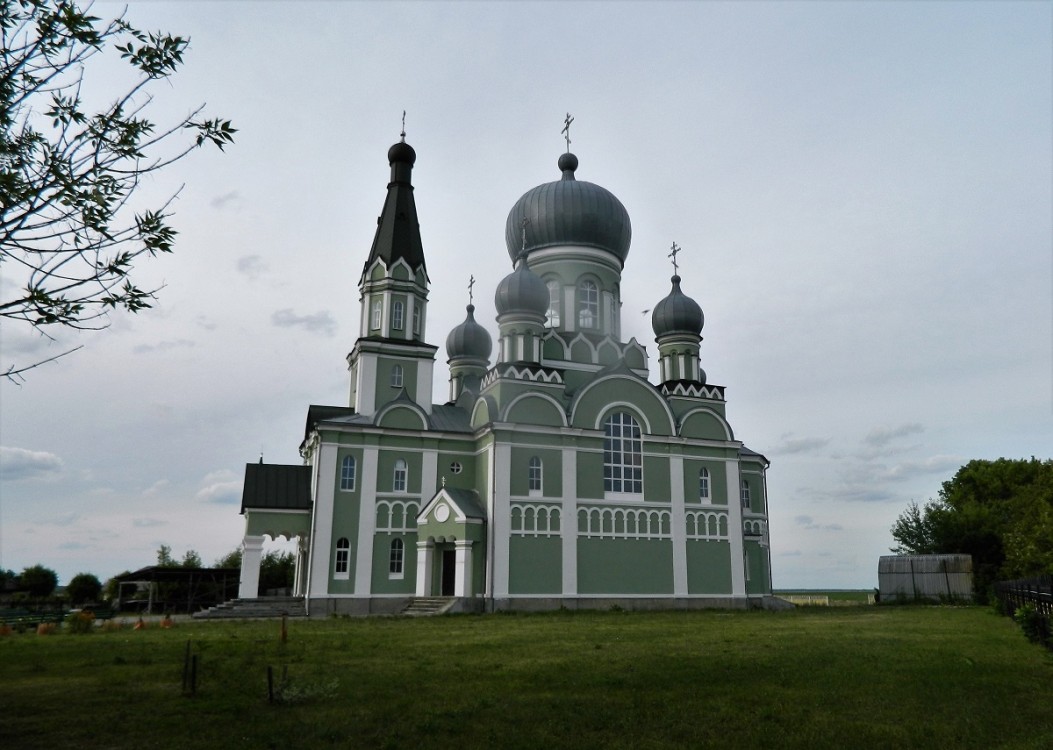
(1037, 592)
(913, 577)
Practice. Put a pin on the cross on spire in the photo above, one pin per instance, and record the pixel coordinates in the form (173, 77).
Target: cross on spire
(566, 129)
(471, 283)
(403, 134)
(676, 249)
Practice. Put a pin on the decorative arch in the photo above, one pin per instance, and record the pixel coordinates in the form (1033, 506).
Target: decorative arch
(401, 415)
(535, 408)
(484, 412)
(705, 424)
(592, 404)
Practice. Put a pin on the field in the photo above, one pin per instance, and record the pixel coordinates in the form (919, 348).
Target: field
(859, 677)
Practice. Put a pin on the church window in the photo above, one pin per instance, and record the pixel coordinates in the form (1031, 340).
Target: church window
(416, 320)
(377, 307)
(703, 485)
(395, 560)
(396, 376)
(534, 475)
(347, 473)
(745, 494)
(343, 555)
(622, 454)
(588, 305)
(456, 467)
(398, 481)
(397, 315)
(552, 316)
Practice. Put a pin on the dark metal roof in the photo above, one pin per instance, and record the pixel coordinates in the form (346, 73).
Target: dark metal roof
(469, 339)
(159, 573)
(745, 452)
(568, 212)
(521, 291)
(398, 231)
(276, 487)
(316, 414)
(467, 501)
(449, 418)
(677, 313)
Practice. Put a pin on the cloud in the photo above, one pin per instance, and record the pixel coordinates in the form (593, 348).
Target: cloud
(251, 266)
(64, 519)
(155, 489)
(221, 493)
(807, 522)
(163, 346)
(880, 436)
(321, 321)
(220, 201)
(146, 523)
(73, 545)
(19, 463)
(791, 444)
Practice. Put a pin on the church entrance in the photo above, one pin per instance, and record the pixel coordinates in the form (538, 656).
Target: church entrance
(449, 572)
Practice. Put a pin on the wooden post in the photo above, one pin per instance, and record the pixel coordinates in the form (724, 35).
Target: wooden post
(285, 631)
(270, 684)
(186, 666)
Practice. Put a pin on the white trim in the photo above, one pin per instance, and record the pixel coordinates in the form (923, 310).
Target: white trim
(734, 483)
(367, 516)
(569, 521)
(501, 516)
(251, 555)
(678, 525)
(425, 560)
(462, 581)
(322, 531)
(429, 472)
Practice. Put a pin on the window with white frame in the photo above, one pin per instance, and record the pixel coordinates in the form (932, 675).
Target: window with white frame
(534, 475)
(377, 309)
(554, 291)
(622, 454)
(397, 316)
(343, 556)
(396, 558)
(745, 494)
(416, 320)
(588, 305)
(398, 480)
(347, 473)
(703, 484)
(396, 376)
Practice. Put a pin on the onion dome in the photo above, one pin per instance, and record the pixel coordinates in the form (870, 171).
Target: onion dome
(469, 339)
(568, 212)
(677, 313)
(522, 291)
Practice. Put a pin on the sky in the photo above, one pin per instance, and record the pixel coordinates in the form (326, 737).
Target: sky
(862, 192)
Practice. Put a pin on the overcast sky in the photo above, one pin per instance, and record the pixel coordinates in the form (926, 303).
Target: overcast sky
(862, 192)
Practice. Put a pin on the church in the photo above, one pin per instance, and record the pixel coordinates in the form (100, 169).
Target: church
(553, 474)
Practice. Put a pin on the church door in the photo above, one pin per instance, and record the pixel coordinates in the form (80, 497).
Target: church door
(449, 571)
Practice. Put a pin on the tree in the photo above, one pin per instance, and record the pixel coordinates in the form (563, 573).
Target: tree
(38, 581)
(68, 236)
(83, 588)
(230, 560)
(191, 559)
(164, 557)
(276, 570)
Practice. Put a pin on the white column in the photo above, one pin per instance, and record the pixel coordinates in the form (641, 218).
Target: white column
(429, 475)
(251, 554)
(569, 528)
(423, 396)
(678, 525)
(462, 584)
(501, 516)
(366, 387)
(425, 563)
(367, 522)
(738, 561)
(322, 512)
(300, 570)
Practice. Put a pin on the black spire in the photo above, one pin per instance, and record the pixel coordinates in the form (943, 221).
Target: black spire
(398, 232)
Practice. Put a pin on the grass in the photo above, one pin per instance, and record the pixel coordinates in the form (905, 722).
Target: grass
(861, 677)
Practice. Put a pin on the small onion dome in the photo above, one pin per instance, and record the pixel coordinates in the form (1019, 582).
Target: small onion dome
(402, 152)
(569, 212)
(522, 291)
(469, 339)
(677, 313)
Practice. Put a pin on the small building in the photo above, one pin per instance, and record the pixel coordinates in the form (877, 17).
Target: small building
(935, 577)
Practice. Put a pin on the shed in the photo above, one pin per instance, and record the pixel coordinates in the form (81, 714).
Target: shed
(909, 577)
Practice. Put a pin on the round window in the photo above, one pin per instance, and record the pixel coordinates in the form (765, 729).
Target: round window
(456, 467)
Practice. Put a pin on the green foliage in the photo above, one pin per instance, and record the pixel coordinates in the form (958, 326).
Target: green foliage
(164, 557)
(1000, 512)
(1032, 623)
(69, 239)
(276, 571)
(39, 582)
(82, 588)
(80, 623)
(230, 560)
(191, 559)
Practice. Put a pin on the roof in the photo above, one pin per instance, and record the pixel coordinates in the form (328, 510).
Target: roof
(449, 418)
(398, 231)
(467, 501)
(745, 452)
(276, 487)
(165, 573)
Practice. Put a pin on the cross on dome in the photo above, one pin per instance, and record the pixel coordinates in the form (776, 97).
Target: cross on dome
(566, 129)
(676, 249)
(471, 283)
(403, 134)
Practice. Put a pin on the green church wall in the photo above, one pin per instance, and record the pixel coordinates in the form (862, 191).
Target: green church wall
(536, 410)
(552, 349)
(402, 417)
(386, 471)
(718, 483)
(590, 475)
(625, 566)
(702, 425)
(345, 524)
(383, 582)
(757, 566)
(708, 567)
(648, 407)
(551, 471)
(272, 524)
(634, 358)
(385, 392)
(656, 478)
(464, 480)
(535, 565)
(400, 272)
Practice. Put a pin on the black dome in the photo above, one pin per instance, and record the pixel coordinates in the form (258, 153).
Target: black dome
(522, 291)
(677, 313)
(469, 339)
(569, 212)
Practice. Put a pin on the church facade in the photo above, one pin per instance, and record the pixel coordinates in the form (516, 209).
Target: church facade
(554, 474)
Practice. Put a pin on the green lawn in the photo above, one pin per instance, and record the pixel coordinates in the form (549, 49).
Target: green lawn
(859, 677)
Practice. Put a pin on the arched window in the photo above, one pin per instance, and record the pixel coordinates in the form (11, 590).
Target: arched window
(396, 376)
(398, 480)
(377, 307)
(703, 484)
(622, 454)
(347, 473)
(397, 315)
(534, 475)
(416, 320)
(588, 305)
(396, 557)
(343, 554)
(745, 494)
(552, 316)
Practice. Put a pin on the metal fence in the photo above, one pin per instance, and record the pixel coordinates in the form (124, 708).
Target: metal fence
(935, 577)
(1035, 591)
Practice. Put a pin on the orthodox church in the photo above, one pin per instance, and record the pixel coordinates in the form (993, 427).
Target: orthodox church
(554, 474)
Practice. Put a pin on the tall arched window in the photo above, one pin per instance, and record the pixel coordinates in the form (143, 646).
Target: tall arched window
(416, 320)
(398, 480)
(377, 307)
(622, 454)
(552, 316)
(347, 473)
(703, 484)
(397, 316)
(534, 475)
(343, 554)
(588, 305)
(395, 559)
(745, 494)
(396, 376)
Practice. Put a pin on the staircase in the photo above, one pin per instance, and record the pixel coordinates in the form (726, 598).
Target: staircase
(425, 606)
(262, 607)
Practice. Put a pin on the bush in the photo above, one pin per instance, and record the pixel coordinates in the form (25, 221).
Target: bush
(1032, 622)
(80, 622)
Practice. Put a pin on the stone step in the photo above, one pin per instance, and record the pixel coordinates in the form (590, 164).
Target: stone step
(424, 606)
(262, 607)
